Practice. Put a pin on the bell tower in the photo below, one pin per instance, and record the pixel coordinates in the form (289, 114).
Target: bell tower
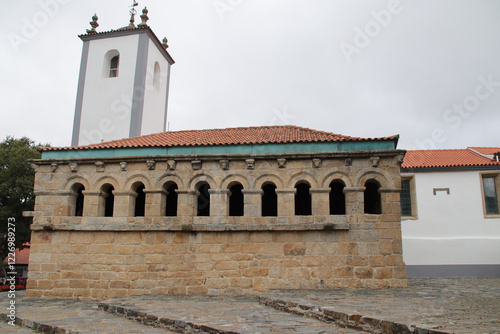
(123, 84)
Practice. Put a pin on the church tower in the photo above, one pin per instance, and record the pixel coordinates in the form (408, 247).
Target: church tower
(123, 84)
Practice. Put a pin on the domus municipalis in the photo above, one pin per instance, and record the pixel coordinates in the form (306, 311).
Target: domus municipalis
(221, 211)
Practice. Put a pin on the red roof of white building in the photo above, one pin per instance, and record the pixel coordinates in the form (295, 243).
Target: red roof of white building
(21, 256)
(471, 156)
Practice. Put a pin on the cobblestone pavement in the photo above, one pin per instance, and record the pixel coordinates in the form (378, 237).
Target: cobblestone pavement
(430, 305)
(465, 305)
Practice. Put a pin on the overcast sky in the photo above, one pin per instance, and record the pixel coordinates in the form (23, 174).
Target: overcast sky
(427, 70)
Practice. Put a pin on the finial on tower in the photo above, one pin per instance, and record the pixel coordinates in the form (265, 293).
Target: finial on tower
(93, 24)
(144, 18)
(164, 43)
(132, 12)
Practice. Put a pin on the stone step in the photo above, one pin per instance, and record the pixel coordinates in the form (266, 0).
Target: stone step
(215, 315)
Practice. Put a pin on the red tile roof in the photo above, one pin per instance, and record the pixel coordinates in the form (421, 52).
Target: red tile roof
(230, 136)
(472, 156)
(22, 256)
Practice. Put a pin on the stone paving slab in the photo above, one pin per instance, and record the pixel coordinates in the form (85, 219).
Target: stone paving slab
(218, 315)
(463, 305)
(8, 329)
(68, 316)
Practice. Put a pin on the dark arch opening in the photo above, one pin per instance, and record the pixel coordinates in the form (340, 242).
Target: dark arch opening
(269, 201)
(109, 200)
(337, 198)
(140, 201)
(373, 202)
(79, 188)
(203, 207)
(172, 199)
(236, 205)
(303, 200)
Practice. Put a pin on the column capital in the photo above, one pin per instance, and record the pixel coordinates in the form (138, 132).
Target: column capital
(252, 191)
(319, 190)
(354, 189)
(285, 190)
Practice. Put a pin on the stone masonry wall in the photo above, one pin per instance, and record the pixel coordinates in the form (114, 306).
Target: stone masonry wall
(103, 257)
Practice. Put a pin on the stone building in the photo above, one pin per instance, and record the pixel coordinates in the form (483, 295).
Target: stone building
(223, 211)
(227, 211)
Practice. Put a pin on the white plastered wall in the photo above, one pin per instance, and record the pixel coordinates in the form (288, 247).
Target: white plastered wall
(154, 116)
(107, 101)
(450, 229)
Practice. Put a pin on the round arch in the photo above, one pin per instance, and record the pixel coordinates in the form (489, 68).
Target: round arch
(302, 177)
(166, 178)
(195, 180)
(133, 179)
(74, 179)
(232, 179)
(366, 175)
(330, 177)
(104, 180)
(268, 178)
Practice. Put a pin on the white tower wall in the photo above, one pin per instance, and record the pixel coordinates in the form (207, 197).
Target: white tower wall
(133, 103)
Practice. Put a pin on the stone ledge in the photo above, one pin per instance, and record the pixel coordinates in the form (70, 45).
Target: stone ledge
(160, 322)
(189, 227)
(355, 321)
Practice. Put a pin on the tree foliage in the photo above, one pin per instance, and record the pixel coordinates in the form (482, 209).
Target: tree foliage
(16, 188)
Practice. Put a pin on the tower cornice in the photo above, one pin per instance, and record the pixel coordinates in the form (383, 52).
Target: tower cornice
(127, 31)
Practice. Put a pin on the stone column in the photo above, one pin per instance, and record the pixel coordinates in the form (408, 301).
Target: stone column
(354, 200)
(391, 203)
(219, 202)
(123, 206)
(185, 202)
(320, 198)
(155, 202)
(286, 201)
(66, 200)
(91, 203)
(252, 199)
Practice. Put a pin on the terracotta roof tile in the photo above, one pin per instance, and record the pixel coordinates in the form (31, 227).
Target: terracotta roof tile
(229, 136)
(22, 256)
(472, 156)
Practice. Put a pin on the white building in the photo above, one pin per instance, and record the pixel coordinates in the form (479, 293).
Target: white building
(123, 84)
(450, 204)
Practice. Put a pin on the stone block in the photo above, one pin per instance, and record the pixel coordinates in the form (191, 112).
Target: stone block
(342, 272)
(78, 283)
(383, 273)
(363, 272)
(294, 249)
(80, 238)
(256, 272)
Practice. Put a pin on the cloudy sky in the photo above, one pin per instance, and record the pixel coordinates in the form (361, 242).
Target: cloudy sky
(427, 70)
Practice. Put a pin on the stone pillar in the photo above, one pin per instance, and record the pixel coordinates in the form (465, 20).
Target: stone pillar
(91, 203)
(155, 202)
(391, 203)
(64, 202)
(252, 199)
(185, 202)
(286, 201)
(320, 198)
(123, 206)
(219, 202)
(354, 200)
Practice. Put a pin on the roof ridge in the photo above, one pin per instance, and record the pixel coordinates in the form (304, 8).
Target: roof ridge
(484, 156)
